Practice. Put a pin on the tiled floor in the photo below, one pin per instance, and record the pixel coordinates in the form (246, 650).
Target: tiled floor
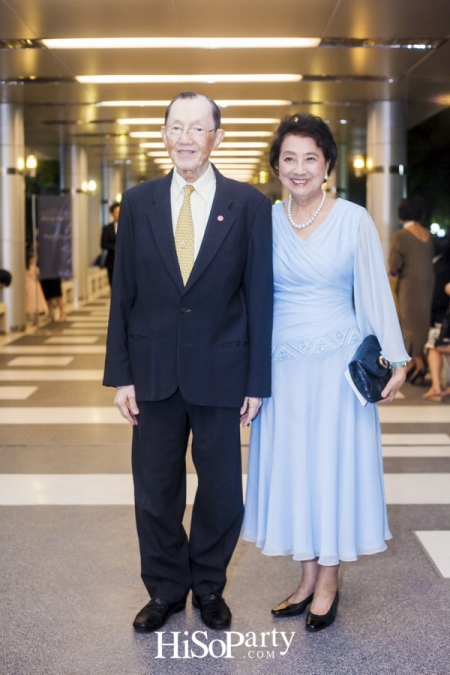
(69, 582)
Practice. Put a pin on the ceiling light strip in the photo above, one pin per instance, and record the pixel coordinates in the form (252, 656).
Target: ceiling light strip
(182, 43)
(176, 79)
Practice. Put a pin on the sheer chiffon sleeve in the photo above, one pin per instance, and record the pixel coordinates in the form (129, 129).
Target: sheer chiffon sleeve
(374, 304)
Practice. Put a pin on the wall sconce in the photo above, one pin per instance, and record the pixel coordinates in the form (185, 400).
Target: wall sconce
(359, 166)
(31, 165)
(88, 186)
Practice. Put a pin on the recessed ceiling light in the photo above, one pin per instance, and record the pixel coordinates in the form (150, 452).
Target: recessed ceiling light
(133, 104)
(250, 120)
(140, 120)
(181, 43)
(171, 79)
(144, 134)
(225, 120)
(252, 102)
(248, 134)
(223, 160)
(222, 145)
(237, 153)
(221, 104)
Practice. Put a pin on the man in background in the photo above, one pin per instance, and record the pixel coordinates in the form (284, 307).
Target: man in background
(108, 241)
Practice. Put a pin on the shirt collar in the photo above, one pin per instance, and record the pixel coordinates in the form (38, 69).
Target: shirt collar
(204, 186)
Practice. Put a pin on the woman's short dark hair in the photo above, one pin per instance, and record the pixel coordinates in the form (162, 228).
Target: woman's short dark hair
(311, 126)
(412, 208)
(5, 278)
(215, 110)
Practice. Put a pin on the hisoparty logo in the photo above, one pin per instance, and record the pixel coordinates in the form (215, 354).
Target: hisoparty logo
(183, 645)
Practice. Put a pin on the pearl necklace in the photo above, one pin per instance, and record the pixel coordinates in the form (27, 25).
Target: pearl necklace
(313, 217)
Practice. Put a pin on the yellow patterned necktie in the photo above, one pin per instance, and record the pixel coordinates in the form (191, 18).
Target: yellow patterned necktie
(184, 235)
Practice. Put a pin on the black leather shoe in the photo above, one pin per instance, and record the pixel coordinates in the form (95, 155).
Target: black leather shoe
(155, 614)
(287, 608)
(214, 610)
(316, 622)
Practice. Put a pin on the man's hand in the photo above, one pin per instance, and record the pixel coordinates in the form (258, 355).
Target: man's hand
(250, 408)
(125, 400)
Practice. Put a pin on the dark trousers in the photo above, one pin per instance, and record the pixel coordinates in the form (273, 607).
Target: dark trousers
(170, 563)
(110, 274)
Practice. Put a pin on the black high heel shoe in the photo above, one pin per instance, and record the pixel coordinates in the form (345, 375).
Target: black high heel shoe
(287, 608)
(418, 377)
(316, 622)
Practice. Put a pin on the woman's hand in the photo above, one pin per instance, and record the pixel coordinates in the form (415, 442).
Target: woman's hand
(394, 385)
(250, 408)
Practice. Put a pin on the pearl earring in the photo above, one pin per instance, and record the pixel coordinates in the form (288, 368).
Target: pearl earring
(326, 176)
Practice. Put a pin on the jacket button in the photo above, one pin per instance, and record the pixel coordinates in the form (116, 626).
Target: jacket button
(184, 310)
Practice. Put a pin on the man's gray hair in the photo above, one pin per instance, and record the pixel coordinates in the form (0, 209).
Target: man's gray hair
(215, 110)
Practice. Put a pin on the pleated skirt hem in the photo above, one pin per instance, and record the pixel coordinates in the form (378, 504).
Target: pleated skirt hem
(325, 561)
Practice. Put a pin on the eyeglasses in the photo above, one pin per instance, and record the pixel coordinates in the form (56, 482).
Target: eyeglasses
(175, 131)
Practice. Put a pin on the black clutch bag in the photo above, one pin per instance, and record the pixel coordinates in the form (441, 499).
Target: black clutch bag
(369, 370)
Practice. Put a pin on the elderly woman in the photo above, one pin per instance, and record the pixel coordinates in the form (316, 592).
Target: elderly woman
(411, 260)
(315, 477)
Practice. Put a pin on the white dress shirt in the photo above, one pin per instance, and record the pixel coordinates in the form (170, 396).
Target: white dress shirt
(201, 202)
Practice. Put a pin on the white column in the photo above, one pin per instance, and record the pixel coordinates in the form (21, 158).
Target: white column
(386, 166)
(12, 211)
(112, 185)
(75, 177)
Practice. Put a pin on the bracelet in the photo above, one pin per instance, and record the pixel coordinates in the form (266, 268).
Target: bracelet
(396, 364)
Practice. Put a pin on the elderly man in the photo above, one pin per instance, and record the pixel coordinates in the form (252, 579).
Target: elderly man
(188, 350)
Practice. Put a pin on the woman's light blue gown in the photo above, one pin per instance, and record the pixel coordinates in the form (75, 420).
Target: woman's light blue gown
(315, 477)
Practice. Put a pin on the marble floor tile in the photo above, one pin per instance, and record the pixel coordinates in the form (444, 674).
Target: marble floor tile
(21, 361)
(414, 414)
(53, 349)
(71, 340)
(51, 375)
(437, 547)
(61, 415)
(83, 331)
(16, 393)
(416, 451)
(82, 324)
(417, 488)
(66, 489)
(415, 439)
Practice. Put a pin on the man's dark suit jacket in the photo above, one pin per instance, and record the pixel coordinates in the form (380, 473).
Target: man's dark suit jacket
(212, 337)
(108, 242)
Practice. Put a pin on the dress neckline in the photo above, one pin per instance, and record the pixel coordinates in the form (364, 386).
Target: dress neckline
(305, 241)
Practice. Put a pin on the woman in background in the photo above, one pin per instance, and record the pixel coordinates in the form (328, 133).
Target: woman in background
(315, 476)
(411, 260)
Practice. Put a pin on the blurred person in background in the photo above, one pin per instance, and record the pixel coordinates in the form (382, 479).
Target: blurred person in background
(5, 278)
(411, 262)
(108, 240)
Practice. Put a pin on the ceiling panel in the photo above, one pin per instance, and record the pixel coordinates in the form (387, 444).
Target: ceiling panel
(419, 82)
(391, 19)
(84, 18)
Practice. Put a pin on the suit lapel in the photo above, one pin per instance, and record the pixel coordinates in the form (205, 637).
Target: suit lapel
(160, 217)
(219, 224)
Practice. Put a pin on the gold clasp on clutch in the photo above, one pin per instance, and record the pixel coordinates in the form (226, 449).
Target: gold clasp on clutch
(383, 362)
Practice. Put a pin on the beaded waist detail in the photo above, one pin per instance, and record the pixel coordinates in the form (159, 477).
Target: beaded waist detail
(317, 345)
